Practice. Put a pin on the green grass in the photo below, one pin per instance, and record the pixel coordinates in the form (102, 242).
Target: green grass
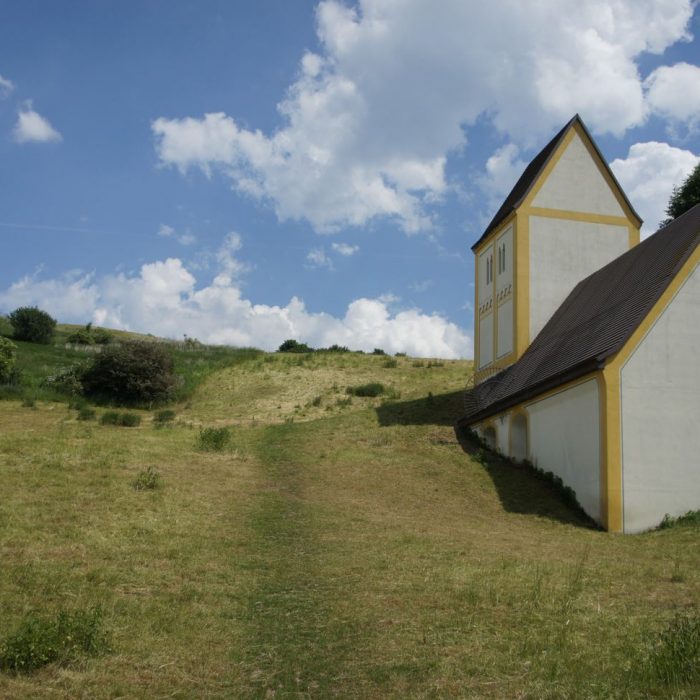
(345, 549)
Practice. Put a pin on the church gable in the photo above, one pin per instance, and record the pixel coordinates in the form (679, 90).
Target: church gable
(576, 182)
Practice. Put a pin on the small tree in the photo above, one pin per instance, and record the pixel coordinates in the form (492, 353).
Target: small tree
(133, 372)
(294, 346)
(33, 325)
(684, 197)
(8, 351)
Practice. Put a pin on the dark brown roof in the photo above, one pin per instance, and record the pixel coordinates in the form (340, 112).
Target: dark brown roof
(595, 320)
(532, 173)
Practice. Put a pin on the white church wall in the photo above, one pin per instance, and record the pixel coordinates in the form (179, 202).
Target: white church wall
(565, 439)
(660, 403)
(505, 328)
(576, 184)
(486, 340)
(562, 253)
(503, 257)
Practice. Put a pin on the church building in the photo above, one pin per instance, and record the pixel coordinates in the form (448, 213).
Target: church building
(585, 339)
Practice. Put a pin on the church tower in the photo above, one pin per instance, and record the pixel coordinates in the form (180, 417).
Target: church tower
(565, 218)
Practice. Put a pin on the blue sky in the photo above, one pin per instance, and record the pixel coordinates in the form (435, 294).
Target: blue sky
(249, 172)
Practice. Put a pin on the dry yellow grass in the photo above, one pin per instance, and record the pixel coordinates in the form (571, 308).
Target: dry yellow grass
(354, 552)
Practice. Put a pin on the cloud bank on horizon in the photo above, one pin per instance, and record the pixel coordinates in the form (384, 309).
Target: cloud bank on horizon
(163, 299)
(371, 120)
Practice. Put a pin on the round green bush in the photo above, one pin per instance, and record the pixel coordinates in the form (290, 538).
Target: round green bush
(8, 353)
(132, 372)
(32, 324)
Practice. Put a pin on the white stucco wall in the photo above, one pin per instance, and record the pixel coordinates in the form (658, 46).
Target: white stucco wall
(518, 437)
(565, 439)
(660, 409)
(576, 184)
(502, 424)
(505, 327)
(562, 253)
(485, 340)
(504, 273)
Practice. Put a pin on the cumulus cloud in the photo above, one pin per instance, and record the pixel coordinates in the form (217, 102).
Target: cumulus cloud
(6, 87)
(674, 93)
(648, 176)
(32, 127)
(345, 249)
(163, 298)
(317, 257)
(166, 231)
(369, 122)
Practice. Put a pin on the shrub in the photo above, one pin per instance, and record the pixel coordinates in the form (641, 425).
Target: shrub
(29, 402)
(147, 480)
(372, 389)
(102, 336)
(163, 417)
(67, 380)
(126, 420)
(86, 413)
(214, 439)
(129, 420)
(335, 348)
(391, 363)
(41, 640)
(8, 354)
(294, 346)
(378, 351)
(110, 418)
(133, 372)
(399, 354)
(82, 336)
(32, 324)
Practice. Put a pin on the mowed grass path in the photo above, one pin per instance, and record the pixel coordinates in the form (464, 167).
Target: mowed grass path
(336, 550)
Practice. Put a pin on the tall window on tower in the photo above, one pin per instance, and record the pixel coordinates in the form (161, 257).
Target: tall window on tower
(504, 294)
(485, 307)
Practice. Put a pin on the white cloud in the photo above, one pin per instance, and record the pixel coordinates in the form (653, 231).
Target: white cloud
(674, 93)
(166, 231)
(345, 249)
(502, 171)
(423, 286)
(6, 87)
(163, 298)
(32, 127)
(187, 238)
(371, 119)
(648, 176)
(317, 257)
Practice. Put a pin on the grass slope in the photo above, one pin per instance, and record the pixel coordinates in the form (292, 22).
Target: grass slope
(337, 549)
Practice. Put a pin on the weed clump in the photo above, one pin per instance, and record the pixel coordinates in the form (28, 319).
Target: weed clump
(214, 439)
(86, 413)
(126, 420)
(40, 640)
(163, 417)
(372, 389)
(692, 517)
(147, 480)
(390, 363)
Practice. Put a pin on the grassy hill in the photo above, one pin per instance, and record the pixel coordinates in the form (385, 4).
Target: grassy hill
(338, 546)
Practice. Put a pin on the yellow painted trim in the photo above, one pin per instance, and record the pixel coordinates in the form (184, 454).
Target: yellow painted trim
(539, 397)
(477, 314)
(495, 233)
(603, 169)
(579, 216)
(544, 175)
(521, 284)
(634, 235)
(613, 498)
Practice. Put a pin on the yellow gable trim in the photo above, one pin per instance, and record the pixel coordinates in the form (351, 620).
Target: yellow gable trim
(578, 216)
